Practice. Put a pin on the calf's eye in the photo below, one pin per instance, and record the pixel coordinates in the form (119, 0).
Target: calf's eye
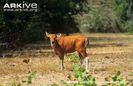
(52, 42)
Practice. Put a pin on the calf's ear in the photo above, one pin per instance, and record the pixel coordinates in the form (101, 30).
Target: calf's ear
(58, 35)
(47, 34)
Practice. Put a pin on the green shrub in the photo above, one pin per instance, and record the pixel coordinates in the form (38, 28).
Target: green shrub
(128, 26)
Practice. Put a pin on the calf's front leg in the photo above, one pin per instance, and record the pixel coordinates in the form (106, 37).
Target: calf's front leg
(62, 62)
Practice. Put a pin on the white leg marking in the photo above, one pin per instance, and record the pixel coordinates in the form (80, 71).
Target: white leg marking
(87, 64)
(62, 64)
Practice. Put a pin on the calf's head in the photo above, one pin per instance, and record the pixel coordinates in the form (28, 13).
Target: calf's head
(53, 38)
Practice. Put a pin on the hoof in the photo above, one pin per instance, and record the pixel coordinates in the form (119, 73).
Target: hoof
(87, 71)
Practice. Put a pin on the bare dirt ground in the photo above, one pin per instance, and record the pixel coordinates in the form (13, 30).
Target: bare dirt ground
(109, 53)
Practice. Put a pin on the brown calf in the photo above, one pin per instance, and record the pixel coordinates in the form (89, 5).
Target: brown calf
(67, 44)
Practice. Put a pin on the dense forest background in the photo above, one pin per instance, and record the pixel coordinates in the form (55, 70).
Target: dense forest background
(65, 16)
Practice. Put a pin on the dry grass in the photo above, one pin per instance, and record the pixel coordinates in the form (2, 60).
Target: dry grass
(107, 58)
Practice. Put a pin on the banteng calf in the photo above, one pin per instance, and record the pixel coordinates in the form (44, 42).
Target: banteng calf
(67, 44)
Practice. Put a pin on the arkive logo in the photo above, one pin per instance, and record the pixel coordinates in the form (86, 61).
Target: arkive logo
(24, 6)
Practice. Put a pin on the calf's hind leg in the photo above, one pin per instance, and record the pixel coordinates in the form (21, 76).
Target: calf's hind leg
(87, 64)
(85, 59)
(81, 60)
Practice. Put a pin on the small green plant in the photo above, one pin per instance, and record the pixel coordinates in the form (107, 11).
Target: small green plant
(117, 80)
(74, 58)
(31, 76)
(82, 77)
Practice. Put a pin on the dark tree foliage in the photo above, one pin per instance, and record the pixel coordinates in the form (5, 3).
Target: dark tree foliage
(129, 13)
(52, 16)
(57, 14)
(124, 10)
